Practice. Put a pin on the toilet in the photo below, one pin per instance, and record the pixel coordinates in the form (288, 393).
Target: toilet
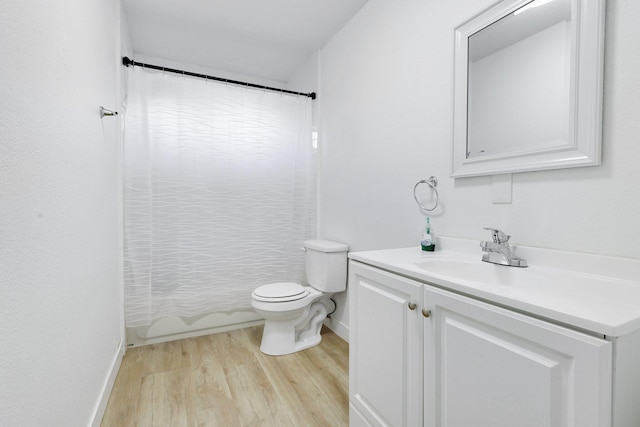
(294, 313)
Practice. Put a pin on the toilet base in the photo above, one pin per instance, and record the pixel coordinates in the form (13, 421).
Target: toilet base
(281, 337)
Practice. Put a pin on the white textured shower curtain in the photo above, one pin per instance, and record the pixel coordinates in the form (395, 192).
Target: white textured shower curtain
(219, 194)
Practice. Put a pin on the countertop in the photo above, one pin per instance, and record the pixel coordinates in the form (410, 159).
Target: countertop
(599, 294)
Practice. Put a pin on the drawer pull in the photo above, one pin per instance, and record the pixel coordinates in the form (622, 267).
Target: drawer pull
(426, 313)
(412, 305)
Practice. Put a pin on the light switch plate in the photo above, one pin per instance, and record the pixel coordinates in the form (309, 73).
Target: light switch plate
(501, 188)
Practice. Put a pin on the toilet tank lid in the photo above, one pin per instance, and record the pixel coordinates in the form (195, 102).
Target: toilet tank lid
(325, 246)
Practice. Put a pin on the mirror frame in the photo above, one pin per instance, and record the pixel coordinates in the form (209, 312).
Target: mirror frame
(585, 111)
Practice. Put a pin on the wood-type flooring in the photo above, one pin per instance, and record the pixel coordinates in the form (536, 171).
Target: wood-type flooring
(224, 380)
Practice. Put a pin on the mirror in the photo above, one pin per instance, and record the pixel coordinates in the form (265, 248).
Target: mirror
(528, 87)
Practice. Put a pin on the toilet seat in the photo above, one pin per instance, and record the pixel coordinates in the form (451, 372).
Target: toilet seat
(280, 292)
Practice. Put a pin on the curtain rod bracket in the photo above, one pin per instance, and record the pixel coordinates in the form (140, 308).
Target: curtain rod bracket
(105, 112)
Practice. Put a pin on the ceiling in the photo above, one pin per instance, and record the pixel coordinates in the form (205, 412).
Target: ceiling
(269, 39)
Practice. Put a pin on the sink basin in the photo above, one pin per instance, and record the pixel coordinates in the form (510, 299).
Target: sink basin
(478, 271)
(484, 274)
(592, 292)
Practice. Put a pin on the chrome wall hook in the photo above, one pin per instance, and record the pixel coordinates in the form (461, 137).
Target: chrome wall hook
(105, 112)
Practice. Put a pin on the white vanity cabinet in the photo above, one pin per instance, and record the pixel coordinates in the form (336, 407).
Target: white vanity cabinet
(489, 366)
(457, 361)
(385, 348)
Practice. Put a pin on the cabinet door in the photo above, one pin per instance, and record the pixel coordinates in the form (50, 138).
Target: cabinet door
(385, 348)
(488, 366)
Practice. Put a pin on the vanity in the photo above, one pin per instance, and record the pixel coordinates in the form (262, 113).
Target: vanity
(442, 339)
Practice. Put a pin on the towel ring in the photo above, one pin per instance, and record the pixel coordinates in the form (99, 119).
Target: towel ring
(432, 182)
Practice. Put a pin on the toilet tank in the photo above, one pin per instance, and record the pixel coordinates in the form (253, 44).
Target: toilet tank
(326, 265)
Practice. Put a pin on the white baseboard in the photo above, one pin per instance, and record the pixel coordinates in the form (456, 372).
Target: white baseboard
(101, 405)
(339, 328)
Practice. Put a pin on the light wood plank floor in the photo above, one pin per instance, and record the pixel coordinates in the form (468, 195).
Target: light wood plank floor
(224, 380)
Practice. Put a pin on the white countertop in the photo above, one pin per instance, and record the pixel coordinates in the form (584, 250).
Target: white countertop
(595, 293)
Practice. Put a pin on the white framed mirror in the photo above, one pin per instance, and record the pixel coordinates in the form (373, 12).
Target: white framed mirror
(528, 87)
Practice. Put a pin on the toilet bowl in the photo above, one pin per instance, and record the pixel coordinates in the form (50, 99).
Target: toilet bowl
(294, 313)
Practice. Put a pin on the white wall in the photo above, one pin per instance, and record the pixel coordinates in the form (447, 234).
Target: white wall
(60, 218)
(387, 83)
(308, 79)
(126, 49)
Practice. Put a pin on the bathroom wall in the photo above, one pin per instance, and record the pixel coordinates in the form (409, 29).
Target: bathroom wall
(126, 49)
(386, 108)
(308, 79)
(60, 216)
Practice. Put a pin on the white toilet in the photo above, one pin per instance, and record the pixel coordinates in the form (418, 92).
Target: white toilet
(294, 313)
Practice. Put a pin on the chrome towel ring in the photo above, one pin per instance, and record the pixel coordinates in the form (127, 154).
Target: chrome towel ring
(432, 182)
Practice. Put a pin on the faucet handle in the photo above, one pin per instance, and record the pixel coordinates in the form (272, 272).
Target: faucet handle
(498, 236)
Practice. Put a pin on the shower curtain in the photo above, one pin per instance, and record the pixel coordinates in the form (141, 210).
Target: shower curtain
(219, 194)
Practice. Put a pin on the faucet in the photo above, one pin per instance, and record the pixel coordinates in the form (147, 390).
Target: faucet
(499, 251)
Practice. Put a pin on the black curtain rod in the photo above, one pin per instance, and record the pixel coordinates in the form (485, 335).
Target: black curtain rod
(126, 61)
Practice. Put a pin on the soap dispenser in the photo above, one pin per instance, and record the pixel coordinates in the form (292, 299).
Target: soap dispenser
(427, 240)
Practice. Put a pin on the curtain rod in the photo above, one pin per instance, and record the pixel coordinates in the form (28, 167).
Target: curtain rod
(126, 61)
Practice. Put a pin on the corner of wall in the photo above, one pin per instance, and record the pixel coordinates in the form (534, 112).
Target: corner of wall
(101, 404)
(340, 328)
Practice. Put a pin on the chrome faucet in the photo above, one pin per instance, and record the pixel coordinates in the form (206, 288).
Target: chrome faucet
(499, 251)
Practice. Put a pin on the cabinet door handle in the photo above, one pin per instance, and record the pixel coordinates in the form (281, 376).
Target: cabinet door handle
(412, 305)
(426, 313)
